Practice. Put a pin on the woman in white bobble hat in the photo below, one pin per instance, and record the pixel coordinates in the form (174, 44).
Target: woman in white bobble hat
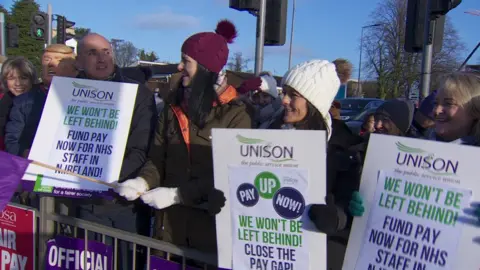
(309, 89)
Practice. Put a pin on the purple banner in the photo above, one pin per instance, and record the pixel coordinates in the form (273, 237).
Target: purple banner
(68, 253)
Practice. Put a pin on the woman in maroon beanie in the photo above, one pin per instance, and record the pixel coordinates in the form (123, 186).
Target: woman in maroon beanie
(179, 173)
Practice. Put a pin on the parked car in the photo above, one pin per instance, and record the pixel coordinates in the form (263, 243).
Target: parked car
(355, 124)
(350, 107)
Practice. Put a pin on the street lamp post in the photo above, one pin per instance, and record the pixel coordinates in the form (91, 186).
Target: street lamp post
(475, 12)
(291, 36)
(359, 85)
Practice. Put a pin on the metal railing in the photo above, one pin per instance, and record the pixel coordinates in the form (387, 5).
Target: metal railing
(50, 225)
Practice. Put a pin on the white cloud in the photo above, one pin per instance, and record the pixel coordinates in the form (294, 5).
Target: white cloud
(166, 19)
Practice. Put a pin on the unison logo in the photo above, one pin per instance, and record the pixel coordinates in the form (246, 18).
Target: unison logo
(419, 158)
(87, 91)
(258, 148)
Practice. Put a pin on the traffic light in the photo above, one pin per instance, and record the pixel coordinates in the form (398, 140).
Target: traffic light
(62, 25)
(442, 7)
(12, 35)
(39, 26)
(245, 5)
(276, 22)
(415, 24)
(275, 18)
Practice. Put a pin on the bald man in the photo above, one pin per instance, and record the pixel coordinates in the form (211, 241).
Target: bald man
(51, 58)
(96, 61)
(96, 58)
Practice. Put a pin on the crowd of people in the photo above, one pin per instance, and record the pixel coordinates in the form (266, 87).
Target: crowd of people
(167, 170)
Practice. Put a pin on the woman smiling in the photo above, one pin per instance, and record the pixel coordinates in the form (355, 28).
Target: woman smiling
(457, 109)
(17, 77)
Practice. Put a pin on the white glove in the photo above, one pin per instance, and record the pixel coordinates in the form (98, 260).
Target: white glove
(132, 188)
(161, 197)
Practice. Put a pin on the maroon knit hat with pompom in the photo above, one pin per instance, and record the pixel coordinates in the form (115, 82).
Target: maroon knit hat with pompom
(250, 85)
(211, 49)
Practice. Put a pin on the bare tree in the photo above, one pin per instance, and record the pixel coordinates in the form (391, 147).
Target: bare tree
(238, 63)
(125, 53)
(398, 72)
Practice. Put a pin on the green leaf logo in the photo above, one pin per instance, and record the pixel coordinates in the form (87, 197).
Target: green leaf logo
(407, 149)
(77, 85)
(246, 140)
(425, 157)
(282, 160)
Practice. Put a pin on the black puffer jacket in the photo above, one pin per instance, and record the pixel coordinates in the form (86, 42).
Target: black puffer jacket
(345, 153)
(6, 103)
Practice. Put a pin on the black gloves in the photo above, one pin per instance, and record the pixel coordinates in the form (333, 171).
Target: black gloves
(327, 217)
(196, 196)
(216, 201)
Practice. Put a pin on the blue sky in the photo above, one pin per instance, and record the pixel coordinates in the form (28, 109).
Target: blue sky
(323, 29)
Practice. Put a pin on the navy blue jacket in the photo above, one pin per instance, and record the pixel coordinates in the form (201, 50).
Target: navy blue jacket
(23, 121)
(6, 102)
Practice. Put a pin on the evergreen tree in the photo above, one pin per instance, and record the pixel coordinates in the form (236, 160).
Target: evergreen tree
(80, 32)
(20, 14)
(152, 57)
(142, 55)
(147, 56)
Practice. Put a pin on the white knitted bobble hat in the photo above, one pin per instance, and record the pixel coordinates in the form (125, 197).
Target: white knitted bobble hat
(317, 81)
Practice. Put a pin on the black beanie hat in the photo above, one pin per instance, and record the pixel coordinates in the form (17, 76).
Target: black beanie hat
(399, 111)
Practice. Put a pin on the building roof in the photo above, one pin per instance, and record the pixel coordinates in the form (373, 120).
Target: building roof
(148, 63)
(167, 69)
(156, 68)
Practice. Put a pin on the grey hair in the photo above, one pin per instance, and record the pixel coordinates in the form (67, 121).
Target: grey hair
(22, 65)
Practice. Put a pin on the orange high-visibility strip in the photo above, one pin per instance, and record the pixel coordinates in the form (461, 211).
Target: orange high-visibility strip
(229, 94)
(183, 123)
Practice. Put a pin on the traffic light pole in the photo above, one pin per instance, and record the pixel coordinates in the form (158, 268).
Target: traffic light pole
(291, 36)
(260, 37)
(3, 40)
(49, 32)
(427, 53)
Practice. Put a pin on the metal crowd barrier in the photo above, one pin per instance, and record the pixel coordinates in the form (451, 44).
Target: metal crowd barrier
(49, 226)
